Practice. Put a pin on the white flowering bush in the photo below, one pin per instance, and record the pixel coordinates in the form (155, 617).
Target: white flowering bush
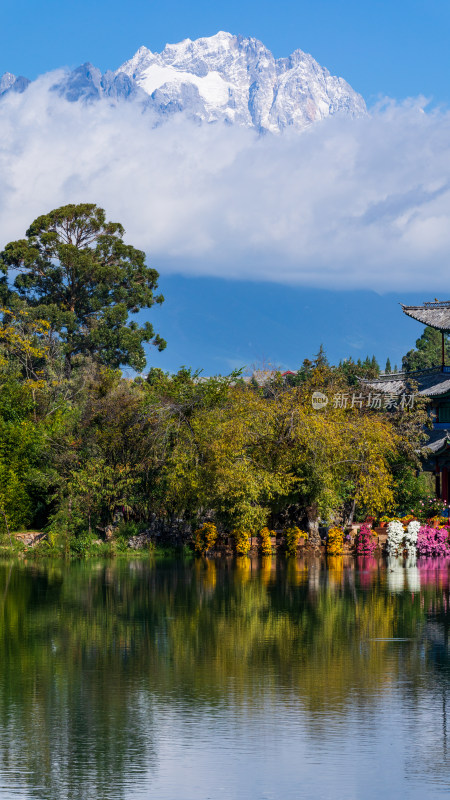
(396, 535)
(411, 534)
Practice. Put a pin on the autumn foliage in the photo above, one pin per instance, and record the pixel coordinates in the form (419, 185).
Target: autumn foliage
(81, 444)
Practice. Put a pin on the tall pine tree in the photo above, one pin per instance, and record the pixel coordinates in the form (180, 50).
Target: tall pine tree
(76, 272)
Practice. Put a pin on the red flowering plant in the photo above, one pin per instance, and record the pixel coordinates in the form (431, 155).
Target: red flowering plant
(365, 541)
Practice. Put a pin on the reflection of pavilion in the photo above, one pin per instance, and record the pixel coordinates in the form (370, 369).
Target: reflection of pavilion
(433, 383)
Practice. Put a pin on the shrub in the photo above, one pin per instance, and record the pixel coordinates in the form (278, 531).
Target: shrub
(205, 537)
(127, 529)
(365, 541)
(335, 542)
(396, 535)
(432, 541)
(80, 545)
(265, 545)
(293, 535)
(242, 542)
(429, 507)
(411, 534)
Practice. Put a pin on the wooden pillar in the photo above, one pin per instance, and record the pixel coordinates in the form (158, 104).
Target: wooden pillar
(443, 351)
(438, 480)
(444, 491)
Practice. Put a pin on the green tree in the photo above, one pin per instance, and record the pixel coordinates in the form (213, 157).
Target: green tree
(321, 359)
(428, 352)
(388, 368)
(76, 271)
(353, 371)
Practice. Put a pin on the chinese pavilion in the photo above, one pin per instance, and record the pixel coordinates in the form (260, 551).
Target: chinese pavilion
(433, 383)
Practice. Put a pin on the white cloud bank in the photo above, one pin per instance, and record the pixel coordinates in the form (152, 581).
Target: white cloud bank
(346, 204)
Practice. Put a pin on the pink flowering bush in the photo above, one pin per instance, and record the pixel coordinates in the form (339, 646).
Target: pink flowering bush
(365, 541)
(432, 541)
(429, 507)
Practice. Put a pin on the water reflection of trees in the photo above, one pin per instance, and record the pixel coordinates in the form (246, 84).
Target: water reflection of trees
(87, 650)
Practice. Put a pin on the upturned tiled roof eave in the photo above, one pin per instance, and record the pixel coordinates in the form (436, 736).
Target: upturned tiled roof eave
(436, 315)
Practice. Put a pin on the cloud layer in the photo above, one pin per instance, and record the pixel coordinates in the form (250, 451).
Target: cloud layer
(349, 203)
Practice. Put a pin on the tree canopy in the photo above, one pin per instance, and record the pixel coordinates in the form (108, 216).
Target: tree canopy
(428, 352)
(76, 272)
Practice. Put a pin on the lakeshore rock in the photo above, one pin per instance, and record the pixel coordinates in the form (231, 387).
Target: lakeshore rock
(140, 541)
(30, 538)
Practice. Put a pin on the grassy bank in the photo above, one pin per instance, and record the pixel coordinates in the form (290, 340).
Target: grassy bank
(79, 549)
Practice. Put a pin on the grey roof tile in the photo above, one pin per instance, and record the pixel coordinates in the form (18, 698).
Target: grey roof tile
(438, 439)
(437, 314)
(430, 382)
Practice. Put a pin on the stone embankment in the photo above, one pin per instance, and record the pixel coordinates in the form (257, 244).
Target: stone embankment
(179, 534)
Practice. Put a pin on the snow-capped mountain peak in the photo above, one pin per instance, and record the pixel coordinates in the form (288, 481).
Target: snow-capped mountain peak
(237, 79)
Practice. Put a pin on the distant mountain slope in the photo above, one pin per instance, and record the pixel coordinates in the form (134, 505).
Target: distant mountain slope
(225, 78)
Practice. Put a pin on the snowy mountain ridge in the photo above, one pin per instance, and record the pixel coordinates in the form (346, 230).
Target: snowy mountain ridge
(221, 78)
(11, 83)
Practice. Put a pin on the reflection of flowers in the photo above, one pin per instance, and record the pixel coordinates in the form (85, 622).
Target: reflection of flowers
(368, 570)
(412, 572)
(395, 574)
(434, 571)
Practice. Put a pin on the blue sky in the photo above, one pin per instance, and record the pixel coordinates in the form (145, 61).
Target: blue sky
(395, 49)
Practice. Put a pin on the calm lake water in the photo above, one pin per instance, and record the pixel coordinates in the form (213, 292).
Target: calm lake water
(194, 680)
